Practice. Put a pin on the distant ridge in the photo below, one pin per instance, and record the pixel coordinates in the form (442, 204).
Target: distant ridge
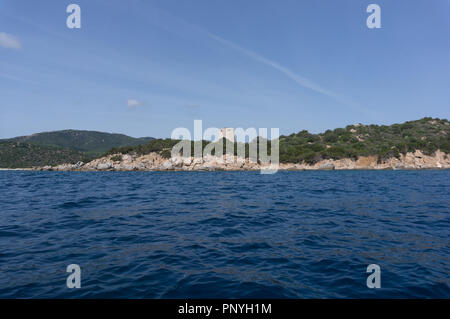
(92, 143)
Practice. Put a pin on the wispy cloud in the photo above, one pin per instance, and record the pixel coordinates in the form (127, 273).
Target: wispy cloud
(9, 41)
(300, 80)
(132, 103)
(183, 28)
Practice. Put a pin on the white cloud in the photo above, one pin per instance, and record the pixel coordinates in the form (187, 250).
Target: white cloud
(133, 103)
(9, 41)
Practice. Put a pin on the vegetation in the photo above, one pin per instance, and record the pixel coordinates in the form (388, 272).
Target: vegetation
(116, 158)
(426, 135)
(92, 143)
(162, 146)
(54, 148)
(22, 155)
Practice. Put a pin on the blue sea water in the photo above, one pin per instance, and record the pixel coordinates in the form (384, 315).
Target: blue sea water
(225, 234)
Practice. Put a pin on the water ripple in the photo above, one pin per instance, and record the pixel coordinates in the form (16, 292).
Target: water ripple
(225, 234)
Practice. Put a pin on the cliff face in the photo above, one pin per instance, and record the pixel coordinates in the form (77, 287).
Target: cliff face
(154, 161)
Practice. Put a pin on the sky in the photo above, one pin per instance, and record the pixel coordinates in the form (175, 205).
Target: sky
(144, 68)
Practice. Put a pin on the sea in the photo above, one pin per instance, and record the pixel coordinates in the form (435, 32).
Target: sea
(302, 234)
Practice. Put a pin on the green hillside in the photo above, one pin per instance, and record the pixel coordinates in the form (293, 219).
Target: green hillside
(427, 135)
(23, 155)
(90, 142)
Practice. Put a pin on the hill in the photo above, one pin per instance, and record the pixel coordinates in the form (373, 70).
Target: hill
(427, 135)
(22, 155)
(92, 143)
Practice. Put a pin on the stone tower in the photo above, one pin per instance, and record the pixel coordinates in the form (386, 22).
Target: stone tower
(227, 133)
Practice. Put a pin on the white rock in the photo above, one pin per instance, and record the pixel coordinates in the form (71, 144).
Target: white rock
(187, 161)
(79, 164)
(104, 166)
(167, 165)
(327, 166)
(177, 161)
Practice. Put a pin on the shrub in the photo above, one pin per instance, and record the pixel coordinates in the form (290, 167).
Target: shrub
(116, 158)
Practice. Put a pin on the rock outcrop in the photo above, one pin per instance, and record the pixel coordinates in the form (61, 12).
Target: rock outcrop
(327, 166)
(154, 162)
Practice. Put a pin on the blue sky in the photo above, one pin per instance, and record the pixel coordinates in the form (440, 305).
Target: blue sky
(144, 68)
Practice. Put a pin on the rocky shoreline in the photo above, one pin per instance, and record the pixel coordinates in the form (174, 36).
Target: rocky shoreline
(154, 162)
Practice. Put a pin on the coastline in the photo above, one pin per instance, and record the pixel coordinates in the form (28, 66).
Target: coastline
(228, 170)
(154, 162)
